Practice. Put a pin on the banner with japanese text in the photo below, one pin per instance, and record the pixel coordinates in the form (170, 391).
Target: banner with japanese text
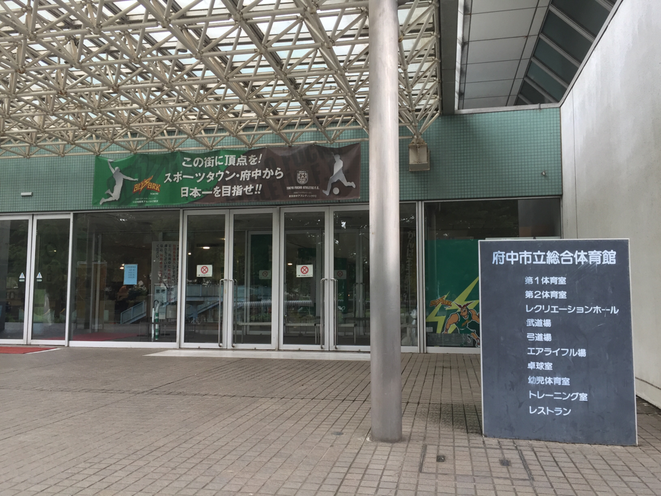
(308, 172)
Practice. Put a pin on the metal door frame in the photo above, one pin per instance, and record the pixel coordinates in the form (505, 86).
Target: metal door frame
(275, 280)
(332, 305)
(29, 286)
(28, 276)
(323, 286)
(183, 283)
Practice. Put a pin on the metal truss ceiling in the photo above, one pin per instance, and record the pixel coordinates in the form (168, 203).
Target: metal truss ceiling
(91, 76)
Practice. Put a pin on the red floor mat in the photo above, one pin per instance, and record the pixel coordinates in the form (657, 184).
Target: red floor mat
(21, 350)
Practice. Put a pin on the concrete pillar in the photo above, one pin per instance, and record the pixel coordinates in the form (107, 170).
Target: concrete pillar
(386, 379)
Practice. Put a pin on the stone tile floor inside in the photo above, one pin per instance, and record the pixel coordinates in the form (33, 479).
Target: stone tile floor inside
(120, 422)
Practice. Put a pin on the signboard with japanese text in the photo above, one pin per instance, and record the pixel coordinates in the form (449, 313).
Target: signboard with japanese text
(130, 274)
(557, 352)
(165, 256)
(308, 172)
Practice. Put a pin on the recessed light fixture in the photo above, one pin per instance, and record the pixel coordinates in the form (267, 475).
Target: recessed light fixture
(206, 247)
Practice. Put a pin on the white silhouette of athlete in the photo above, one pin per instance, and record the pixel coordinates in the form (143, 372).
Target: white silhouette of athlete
(338, 175)
(119, 182)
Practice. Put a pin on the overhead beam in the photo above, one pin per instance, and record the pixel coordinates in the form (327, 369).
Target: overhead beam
(450, 42)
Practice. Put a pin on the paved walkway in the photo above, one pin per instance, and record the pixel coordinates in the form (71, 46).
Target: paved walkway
(121, 422)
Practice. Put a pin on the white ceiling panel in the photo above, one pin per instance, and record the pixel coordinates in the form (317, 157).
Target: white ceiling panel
(495, 50)
(483, 6)
(476, 103)
(487, 89)
(491, 71)
(505, 24)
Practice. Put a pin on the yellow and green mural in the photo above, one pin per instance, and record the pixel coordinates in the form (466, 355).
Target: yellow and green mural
(452, 292)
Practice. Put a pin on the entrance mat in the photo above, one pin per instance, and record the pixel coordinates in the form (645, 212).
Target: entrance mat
(21, 350)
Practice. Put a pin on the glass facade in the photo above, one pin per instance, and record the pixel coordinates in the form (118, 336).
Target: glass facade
(125, 275)
(252, 272)
(13, 270)
(408, 281)
(205, 283)
(452, 231)
(303, 275)
(51, 275)
(126, 267)
(351, 265)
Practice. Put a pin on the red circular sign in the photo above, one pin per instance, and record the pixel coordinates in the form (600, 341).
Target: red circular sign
(340, 273)
(265, 273)
(204, 269)
(304, 269)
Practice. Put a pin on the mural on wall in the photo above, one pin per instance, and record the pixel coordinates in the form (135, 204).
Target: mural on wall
(308, 172)
(452, 293)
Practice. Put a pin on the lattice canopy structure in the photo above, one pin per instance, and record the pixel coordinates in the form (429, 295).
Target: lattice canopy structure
(129, 76)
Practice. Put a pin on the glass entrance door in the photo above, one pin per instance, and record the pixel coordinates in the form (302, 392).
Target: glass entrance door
(14, 235)
(304, 280)
(325, 279)
(351, 323)
(205, 282)
(50, 279)
(228, 282)
(252, 280)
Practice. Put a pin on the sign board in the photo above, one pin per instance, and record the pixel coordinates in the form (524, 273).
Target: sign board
(165, 268)
(130, 274)
(265, 274)
(205, 271)
(304, 270)
(557, 352)
(271, 174)
(340, 274)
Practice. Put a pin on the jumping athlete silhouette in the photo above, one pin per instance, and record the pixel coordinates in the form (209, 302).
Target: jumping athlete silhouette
(119, 182)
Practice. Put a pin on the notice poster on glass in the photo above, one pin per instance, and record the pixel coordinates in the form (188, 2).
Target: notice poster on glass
(557, 352)
(130, 274)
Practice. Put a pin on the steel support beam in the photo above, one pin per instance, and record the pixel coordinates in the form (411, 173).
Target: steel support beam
(449, 32)
(386, 379)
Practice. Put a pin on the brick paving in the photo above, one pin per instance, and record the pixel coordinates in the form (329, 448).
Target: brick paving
(120, 422)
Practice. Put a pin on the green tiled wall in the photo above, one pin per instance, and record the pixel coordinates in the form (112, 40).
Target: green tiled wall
(490, 155)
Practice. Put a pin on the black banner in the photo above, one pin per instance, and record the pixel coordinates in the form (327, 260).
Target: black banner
(307, 172)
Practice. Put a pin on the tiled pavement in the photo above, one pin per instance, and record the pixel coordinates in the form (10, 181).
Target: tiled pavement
(108, 421)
